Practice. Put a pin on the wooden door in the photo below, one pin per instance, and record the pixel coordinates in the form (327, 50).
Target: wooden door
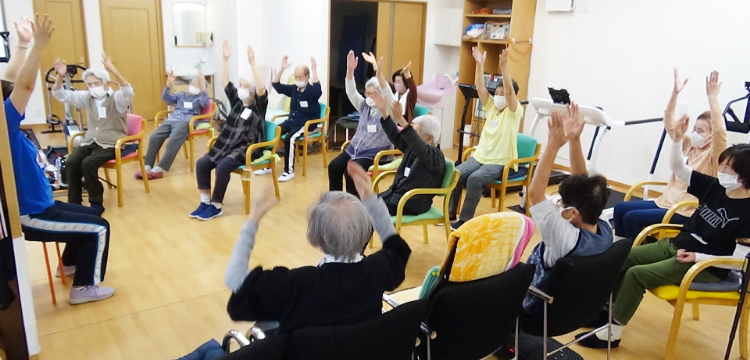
(132, 34)
(401, 34)
(68, 43)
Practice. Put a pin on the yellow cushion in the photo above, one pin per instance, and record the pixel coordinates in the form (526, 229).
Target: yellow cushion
(670, 292)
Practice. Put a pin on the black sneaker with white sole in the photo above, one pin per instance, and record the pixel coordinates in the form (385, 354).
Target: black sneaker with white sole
(457, 224)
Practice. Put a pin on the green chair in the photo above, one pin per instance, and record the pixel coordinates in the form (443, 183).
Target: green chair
(432, 216)
(528, 154)
(318, 134)
(273, 133)
(420, 110)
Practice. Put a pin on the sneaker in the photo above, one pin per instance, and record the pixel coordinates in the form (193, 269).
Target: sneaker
(457, 224)
(90, 294)
(98, 206)
(210, 213)
(594, 342)
(69, 271)
(450, 218)
(201, 208)
(262, 172)
(286, 176)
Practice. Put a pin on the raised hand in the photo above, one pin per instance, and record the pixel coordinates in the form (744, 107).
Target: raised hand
(379, 66)
(504, 57)
(379, 100)
(680, 128)
(556, 136)
(406, 68)
(573, 123)
(263, 202)
(250, 55)
(43, 30)
(713, 86)
(479, 57)
(170, 78)
(201, 80)
(226, 50)
(397, 112)
(285, 63)
(351, 61)
(60, 67)
(24, 30)
(369, 57)
(361, 180)
(107, 62)
(679, 84)
(313, 63)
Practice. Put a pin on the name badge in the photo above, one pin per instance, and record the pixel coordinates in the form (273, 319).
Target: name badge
(101, 112)
(246, 114)
(187, 104)
(407, 171)
(372, 128)
(493, 123)
(303, 104)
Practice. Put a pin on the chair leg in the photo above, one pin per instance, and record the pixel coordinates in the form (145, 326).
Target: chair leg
(185, 150)
(109, 181)
(143, 171)
(49, 275)
(696, 312)
(246, 190)
(674, 329)
(743, 331)
(304, 158)
(324, 149)
(424, 233)
(119, 185)
(192, 152)
(492, 197)
(59, 262)
(447, 229)
(275, 180)
(501, 200)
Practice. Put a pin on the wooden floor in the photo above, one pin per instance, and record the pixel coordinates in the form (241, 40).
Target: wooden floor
(168, 273)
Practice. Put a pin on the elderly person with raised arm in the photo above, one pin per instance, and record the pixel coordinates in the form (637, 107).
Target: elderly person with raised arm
(106, 113)
(370, 137)
(245, 125)
(497, 145)
(345, 287)
(423, 166)
(177, 126)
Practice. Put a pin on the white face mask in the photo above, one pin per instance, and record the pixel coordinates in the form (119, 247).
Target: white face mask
(193, 90)
(562, 210)
(729, 182)
(697, 140)
(400, 88)
(243, 94)
(370, 102)
(300, 84)
(500, 102)
(97, 92)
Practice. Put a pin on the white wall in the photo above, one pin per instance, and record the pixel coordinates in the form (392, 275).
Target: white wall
(619, 56)
(439, 58)
(223, 27)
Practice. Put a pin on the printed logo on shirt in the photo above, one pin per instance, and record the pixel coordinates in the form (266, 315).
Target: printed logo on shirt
(715, 219)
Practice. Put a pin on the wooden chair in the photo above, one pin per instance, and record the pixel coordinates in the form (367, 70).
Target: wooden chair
(49, 271)
(318, 135)
(133, 152)
(679, 296)
(528, 154)
(376, 168)
(273, 133)
(205, 116)
(432, 216)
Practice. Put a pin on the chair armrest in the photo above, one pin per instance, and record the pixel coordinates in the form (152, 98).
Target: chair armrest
(467, 152)
(540, 294)
(236, 336)
(160, 116)
(344, 145)
(273, 144)
(654, 229)
(126, 139)
(694, 270)
(273, 119)
(382, 154)
(71, 140)
(211, 143)
(381, 177)
(255, 333)
(639, 185)
(677, 207)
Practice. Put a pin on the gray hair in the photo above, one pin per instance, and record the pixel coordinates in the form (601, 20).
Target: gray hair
(430, 126)
(339, 225)
(98, 73)
(250, 81)
(373, 82)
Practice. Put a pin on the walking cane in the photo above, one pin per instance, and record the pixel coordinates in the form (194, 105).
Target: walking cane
(740, 305)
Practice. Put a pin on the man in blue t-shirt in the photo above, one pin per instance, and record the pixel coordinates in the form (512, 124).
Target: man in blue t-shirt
(303, 107)
(81, 228)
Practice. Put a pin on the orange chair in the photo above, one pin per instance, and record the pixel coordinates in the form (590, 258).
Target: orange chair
(207, 113)
(134, 135)
(49, 271)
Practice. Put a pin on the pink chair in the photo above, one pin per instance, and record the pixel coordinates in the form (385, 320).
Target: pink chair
(206, 114)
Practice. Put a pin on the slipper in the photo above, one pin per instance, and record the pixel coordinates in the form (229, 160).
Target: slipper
(138, 175)
(154, 176)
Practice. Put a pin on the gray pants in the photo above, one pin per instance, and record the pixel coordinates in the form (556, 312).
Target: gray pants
(177, 131)
(474, 176)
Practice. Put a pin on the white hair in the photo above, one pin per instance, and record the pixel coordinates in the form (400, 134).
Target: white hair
(250, 81)
(98, 73)
(339, 225)
(373, 82)
(430, 126)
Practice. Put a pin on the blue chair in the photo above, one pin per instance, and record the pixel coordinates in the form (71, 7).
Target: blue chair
(420, 110)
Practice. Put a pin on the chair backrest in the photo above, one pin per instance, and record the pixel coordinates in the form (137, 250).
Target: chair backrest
(526, 146)
(270, 130)
(388, 336)
(209, 109)
(420, 110)
(272, 347)
(473, 319)
(323, 111)
(135, 124)
(485, 246)
(580, 286)
(448, 177)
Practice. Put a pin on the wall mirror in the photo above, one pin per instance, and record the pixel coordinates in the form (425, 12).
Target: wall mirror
(4, 34)
(188, 19)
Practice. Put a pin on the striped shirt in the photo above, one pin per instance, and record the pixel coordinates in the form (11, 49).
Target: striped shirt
(239, 132)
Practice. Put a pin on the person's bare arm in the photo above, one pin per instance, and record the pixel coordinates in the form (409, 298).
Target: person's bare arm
(284, 65)
(480, 57)
(314, 70)
(573, 125)
(718, 126)
(26, 79)
(24, 31)
(679, 84)
(556, 140)
(226, 51)
(112, 69)
(510, 94)
(260, 84)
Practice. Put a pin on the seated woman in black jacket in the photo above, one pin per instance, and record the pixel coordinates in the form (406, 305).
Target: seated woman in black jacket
(345, 287)
(423, 165)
